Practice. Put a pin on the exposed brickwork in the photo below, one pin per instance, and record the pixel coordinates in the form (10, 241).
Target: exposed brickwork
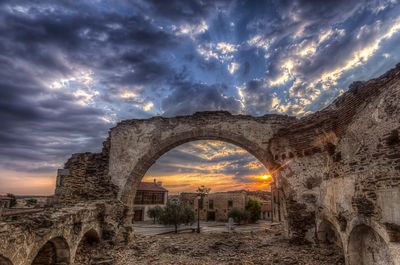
(86, 179)
(353, 143)
(300, 221)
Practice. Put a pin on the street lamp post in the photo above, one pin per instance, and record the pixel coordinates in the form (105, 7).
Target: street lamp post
(198, 213)
(202, 191)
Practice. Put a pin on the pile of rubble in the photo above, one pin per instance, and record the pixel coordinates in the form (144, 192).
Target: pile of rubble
(225, 248)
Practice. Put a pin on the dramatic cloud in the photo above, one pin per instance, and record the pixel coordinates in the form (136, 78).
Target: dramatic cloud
(70, 70)
(207, 97)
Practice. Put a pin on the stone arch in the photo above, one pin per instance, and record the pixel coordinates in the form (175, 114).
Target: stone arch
(92, 235)
(367, 247)
(5, 261)
(54, 251)
(327, 233)
(86, 247)
(149, 158)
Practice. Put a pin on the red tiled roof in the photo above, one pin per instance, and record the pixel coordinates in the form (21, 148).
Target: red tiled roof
(151, 186)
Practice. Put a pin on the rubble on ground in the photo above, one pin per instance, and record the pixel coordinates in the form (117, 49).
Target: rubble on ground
(218, 248)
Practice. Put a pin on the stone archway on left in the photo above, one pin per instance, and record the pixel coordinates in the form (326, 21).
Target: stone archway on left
(54, 251)
(87, 247)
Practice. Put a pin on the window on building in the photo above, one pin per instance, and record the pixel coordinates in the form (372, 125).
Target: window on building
(149, 197)
(211, 204)
(230, 204)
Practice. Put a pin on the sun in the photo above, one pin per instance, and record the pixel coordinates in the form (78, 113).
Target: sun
(265, 177)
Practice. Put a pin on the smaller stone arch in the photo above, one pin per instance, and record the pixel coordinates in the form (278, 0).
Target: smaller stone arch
(87, 247)
(328, 234)
(91, 235)
(54, 251)
(367, 247)
(5, 261)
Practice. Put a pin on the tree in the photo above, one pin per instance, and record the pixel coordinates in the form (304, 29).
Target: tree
(155, 213)
(203, 190)
(176, 214)
(238, 215)
(188, 215)
(13, 201)
(253, 207)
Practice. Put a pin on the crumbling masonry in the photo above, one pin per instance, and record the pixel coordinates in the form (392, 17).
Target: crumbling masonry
(336, 172)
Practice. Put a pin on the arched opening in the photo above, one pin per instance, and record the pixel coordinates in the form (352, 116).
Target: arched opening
(366, 247)
(86, 250)
(55, 251)
(148, 159)
(221, 166)
(328, 235)
(4, 261)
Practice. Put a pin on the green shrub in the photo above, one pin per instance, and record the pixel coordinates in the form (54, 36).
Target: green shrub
(238, 215)
(176, 214)
(155, 213)
(253, 207)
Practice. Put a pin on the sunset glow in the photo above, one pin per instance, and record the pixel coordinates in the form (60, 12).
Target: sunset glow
(215, 164)
(27, 183)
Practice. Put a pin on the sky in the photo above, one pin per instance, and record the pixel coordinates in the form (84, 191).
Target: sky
(70, 70)
(214, 164)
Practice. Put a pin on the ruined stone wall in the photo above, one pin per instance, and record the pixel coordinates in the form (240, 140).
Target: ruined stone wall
(343, 164)
(137, 144)
(85, 177)
(22, 237)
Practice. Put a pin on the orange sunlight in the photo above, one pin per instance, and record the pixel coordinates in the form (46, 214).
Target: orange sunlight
(189, 182)
(265, 177)
(26, 183)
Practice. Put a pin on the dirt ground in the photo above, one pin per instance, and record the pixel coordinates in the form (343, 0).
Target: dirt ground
(219, 248)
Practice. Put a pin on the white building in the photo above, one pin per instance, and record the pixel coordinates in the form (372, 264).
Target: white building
(148, 195)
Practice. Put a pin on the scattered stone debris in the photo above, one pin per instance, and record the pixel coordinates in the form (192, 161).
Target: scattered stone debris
(219, 248)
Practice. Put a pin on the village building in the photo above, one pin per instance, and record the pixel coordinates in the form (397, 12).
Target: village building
(216, 206)
(174, 198)
(148, 195)
(266, 211)
(265, 198)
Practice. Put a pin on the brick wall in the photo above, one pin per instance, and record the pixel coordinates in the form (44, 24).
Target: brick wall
(85, 177)
(343, 162)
